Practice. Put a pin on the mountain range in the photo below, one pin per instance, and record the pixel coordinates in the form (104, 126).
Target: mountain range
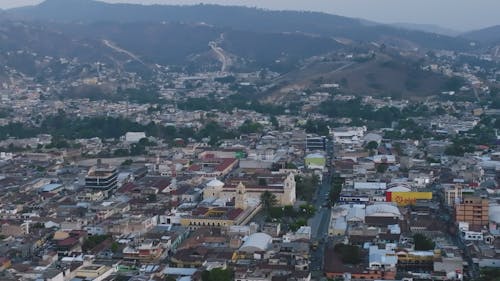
(431, 28)
(236, 18)
(137, 37)
(489, 35)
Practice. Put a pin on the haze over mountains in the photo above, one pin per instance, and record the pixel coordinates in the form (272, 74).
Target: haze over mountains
(489, 35)
(137, 37)
(238, 18)
(431, 28)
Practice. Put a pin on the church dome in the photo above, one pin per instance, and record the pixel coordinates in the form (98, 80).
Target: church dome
(215, 183)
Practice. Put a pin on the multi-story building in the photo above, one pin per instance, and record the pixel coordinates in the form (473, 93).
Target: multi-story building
(213, 167)
(281, 185)
(473, 210)
(453, 193)
(102, 177)
(218, 216)
(348, 136)
(147, 250)
(316, 143)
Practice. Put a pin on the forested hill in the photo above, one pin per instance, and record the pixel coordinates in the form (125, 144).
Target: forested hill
(239, 18)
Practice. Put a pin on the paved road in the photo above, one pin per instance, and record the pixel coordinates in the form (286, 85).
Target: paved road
(321, 220)
(120, 50)
(225, 60)
(319, 224)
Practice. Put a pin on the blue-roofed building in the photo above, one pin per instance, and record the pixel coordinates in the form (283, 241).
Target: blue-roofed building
(178, 271)
(52, 188)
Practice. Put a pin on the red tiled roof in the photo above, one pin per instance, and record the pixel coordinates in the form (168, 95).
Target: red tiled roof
(180, 190)
(48, 195)
(199, 211)
(77, 233)
(70, 241)
(225, 163)
(161, 184)
(234, 213)
(194, 167)
(209, 156)
(128, 187)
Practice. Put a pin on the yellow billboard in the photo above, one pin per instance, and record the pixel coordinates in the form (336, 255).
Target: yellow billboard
(407, 198)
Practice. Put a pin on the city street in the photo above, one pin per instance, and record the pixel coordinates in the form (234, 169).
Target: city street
(321, 220)
(319, 224)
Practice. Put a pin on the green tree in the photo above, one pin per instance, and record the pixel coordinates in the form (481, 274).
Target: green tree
(276, 213)
(372, 145)
(268, 201)
(92, 241)
(454, 83)
(349, 254)
(459, 147)
(262, 182)
(170, 278)
(217, 274)
(249, 127)
(151, 198)
(297, 224)
(336, 189)
(305, 186)
(422, 243)
(489, 274)
(318, 127)
(307, 210)
(114, 247)
(274, 121)
(382, 168)
(127, 162)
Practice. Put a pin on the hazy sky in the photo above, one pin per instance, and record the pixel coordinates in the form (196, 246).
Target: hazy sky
(456, 14)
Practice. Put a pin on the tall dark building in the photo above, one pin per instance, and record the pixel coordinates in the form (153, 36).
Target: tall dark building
(102, 177)
(316, 143)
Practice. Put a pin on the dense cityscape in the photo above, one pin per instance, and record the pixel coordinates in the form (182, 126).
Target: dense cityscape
(232, 171)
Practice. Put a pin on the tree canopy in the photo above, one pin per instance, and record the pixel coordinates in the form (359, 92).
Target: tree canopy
(422, 243)
(349, 254)
(217, 274)
(268, 201)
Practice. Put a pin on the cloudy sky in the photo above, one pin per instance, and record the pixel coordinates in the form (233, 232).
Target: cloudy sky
(455, 14)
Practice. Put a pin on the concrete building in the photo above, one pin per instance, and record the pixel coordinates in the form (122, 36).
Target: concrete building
(348, 136)
(473, 210)
(382, 214)
(94, 272)
(132, 137)
(282, 186)
(102, 177)
(217, 216)
(316, 143)
(257, 242)
(453, 193)
(383, 259)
